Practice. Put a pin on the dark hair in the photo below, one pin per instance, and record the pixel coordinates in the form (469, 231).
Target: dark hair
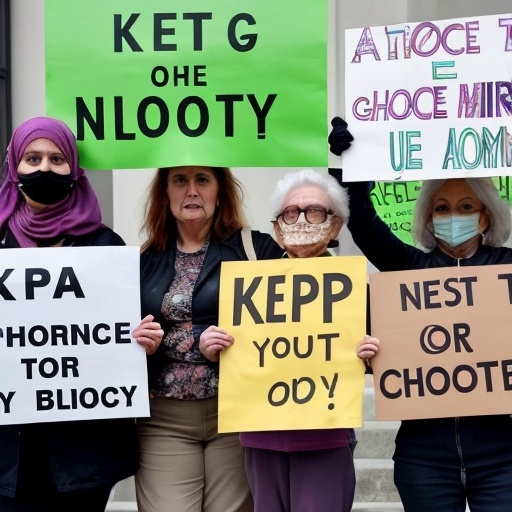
(160, 225)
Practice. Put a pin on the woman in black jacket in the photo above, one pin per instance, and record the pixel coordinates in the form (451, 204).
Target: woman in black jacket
(194, 222)
(47, 201)
(441, 463)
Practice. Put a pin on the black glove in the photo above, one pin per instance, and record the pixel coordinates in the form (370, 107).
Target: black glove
(340, 138)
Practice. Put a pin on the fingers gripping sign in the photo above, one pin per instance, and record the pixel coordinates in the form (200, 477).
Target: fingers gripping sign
(368, 348)
(148, 334)
(213, 340)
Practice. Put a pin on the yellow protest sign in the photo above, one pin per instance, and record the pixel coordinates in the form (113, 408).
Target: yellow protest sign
(296, 324)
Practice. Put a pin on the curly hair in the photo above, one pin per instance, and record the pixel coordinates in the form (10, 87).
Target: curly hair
(338, 196)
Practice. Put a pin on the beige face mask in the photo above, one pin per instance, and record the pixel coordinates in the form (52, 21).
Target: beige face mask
(304, 233)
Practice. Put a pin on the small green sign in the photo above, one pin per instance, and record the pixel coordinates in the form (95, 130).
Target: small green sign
(395, 202)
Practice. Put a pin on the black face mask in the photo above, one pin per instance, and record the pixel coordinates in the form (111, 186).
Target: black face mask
(45, 187)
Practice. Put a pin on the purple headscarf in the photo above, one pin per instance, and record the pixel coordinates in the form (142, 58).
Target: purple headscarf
(78, 214)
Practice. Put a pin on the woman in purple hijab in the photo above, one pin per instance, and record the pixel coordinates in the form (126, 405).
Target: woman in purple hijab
(47, 201)
(45, 197)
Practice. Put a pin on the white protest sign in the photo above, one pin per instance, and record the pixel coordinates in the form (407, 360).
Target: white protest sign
(430, 99)
(66, 350)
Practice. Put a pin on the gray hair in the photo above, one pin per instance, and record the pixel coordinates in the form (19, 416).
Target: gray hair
(337, 195)
(500, 224)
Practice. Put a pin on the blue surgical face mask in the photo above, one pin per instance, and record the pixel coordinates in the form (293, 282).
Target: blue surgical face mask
(456, 229)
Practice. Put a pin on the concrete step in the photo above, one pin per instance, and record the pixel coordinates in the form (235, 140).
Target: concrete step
(377, 507)
(124, 491)
(121, 506)
(375, 490)
(131, 506)
(374, 481)
(369, 404)
(381, 507)
(376, 440)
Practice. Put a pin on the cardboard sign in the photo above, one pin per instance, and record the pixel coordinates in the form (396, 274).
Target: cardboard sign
(445, 349)
(154, 84)
(441, 106)
(296, 324)
(66, 350)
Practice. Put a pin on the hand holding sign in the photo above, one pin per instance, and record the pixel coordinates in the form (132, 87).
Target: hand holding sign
(368, 348)
(148, 334)
(213, 341)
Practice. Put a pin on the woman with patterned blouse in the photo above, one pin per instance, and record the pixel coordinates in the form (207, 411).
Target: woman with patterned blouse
(193, 220)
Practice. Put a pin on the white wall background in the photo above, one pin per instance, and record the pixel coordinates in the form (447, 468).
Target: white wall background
(121, 193)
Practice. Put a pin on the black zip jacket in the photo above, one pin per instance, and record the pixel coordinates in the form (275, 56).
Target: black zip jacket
(157, 273)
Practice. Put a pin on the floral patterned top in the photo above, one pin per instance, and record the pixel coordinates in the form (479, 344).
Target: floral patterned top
(185, 374)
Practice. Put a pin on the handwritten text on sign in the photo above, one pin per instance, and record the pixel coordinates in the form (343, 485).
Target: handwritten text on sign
(444, 344)
(444, 101)
(296, 324)
(66, 350)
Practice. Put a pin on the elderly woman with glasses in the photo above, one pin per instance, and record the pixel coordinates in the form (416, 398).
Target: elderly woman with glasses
(441, 463)
(304, 470)
(310, 210)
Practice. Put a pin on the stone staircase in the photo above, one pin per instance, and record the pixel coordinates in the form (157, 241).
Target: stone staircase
(375, 491)
(122, 498)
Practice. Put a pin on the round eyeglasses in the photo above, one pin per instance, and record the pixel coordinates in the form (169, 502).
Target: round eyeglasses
(314, 214)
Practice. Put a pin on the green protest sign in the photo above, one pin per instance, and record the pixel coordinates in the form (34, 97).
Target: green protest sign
(395, 202)
(151, 84)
